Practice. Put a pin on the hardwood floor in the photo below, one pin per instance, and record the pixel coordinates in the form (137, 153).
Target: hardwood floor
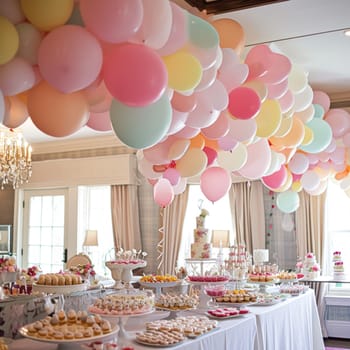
(337, 343)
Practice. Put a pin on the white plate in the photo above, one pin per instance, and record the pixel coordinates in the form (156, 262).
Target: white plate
(67, 289)
(159, 284)
(24, 332)
(111, 316)
(158, 345)
(269, 283)
(268, 303)
(163, 308)
(236, 304)
(206, 283)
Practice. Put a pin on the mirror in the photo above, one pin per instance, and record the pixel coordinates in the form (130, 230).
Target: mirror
(5, 239)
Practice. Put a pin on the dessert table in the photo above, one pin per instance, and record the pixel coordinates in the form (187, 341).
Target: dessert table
(289, 325)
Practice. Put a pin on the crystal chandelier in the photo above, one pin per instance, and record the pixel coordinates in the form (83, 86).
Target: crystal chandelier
(15, 158)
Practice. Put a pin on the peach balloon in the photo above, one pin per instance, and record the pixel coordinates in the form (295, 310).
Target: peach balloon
(16, 112)
(192, 163)
(197, 142)
(55, 113)
(294, 137)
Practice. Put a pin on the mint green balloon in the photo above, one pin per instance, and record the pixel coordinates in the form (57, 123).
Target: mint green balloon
(201, 33)
(318, 111)
(322, 136)
(288, 201)
(141, 127)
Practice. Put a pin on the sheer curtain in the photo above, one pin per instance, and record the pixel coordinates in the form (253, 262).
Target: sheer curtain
(173, 218)
(247, 208)
(125, 216)
(310, 235)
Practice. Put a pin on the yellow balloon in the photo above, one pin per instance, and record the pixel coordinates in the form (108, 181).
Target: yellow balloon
(259, 87)
(47, 15)
(192, 163)
(286, 125)
(9, 40)
(296, 186)
(308, 137)
(184, 71)
(268, 119)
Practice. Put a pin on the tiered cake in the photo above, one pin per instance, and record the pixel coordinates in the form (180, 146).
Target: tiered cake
(338, 266)
(310, 268)
(201, 248)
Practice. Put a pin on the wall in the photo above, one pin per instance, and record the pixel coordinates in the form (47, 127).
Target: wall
(7, 200)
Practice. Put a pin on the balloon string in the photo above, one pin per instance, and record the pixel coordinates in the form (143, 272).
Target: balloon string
(160, 245)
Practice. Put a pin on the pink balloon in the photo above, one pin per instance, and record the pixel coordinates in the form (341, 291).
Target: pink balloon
(172, 175)
(187, 132)
(206, 56)
(286, 101)
(219, 129)
(234, 77)
(208, 79)
(277, 90)
(215, 182)
(299, 163)
(146, 169)
(158, 154)
(11, 9)
(322, 99)
(100, 121)
(177, 122)
(114, 21)
(16, 112)
(62, 58)
(102, 106)
(242, 130)
(227, 143)
(16, 76)
(279, 68)
(244, 103)
(258, 61)
(339, 121)
(259, 159)
(338, 156)
(163, 192)
(211, 155)
(346, 139)
(134, 74)
(178, 35)
(181, 186)
(183, 103)
(217, 94)
(275, 180)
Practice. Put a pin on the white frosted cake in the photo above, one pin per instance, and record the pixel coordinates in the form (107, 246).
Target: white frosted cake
(201, 248)
(338, 266)
(310, 268)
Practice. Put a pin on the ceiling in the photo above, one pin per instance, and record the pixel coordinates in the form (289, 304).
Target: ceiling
(310, 33)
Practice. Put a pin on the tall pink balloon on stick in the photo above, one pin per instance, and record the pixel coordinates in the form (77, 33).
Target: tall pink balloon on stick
(163, 192)
(215, 183)
(114, 21)
(134, 74)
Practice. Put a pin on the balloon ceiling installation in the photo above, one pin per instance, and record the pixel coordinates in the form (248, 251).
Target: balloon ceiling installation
(174, 86)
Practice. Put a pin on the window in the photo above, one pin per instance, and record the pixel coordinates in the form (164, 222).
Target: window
(338, 231)
(219, 218)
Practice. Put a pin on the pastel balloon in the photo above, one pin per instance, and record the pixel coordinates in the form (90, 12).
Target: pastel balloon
(55, 113)
(231, 34)
(208, 78)
(16, 112)
(159, 153)
(322, 99)
(62, 58)
(177, 121)
(242, 130)
(9, 40)
(16, 76)
(258, 161)
(211, 154)
(284, 128)
(279, 68)
(11, 9)
(275, 180)
(141, 127)
(307, 114)
(184, 71)
(156, 25)
(318, 111)
(322, 136)
(29, 42)
(286, 101)
(297, 79)
(288, 201)
(217, 94)
(172, 175)
(244, 103)
(163, 192)
(277, 90)
(235, 159)
(178, 149)
(219, 129)
(268, 120)
(310, 180)
(277, 160)
(234, 77)
(178, 34)
(299, 163)
(192, 163)
(183, 103)
(2, 106)
(346, 138)
(259, 87)
(201, 33)
(303, 99)
(197, 141)
(206, 57)
(293, 138)
(134, 74)
(102, 106)
(215, 182)
(258, 61)
(112, 21)
(100, 121)
(319, 189)
(187, 132)
(146, 169)
(181, 186)
(47, 15)
(227, 143)
(339, 121)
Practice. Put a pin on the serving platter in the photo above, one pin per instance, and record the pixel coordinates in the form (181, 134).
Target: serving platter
(57, 289)
(223, 317)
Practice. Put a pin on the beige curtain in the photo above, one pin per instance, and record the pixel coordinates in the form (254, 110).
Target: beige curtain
(125, 216)
(310, 236)
(173, 218)
(247, 208)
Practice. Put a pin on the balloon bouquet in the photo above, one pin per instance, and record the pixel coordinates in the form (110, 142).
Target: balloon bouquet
(174, 86)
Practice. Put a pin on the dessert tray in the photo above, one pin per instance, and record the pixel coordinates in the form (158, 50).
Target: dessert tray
(238, 305)
(226, 313)
(57, 289)
(160, 284)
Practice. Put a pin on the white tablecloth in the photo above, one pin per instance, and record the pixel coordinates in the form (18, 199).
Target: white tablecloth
(289, 325)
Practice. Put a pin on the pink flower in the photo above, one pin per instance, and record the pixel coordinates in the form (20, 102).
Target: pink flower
(299, 265)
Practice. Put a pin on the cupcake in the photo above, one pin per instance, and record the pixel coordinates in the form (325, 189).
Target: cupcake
(62, 318)
(106, 327)
(72, 316)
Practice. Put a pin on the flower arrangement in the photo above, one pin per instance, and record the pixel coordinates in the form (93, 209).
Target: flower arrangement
(85, 270)
(315, 268)
(204, 213)
(8, 264)
(30, 273)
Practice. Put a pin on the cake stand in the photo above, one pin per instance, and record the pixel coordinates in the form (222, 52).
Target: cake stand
(263, 285)
(159, 285)
(122, 272)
